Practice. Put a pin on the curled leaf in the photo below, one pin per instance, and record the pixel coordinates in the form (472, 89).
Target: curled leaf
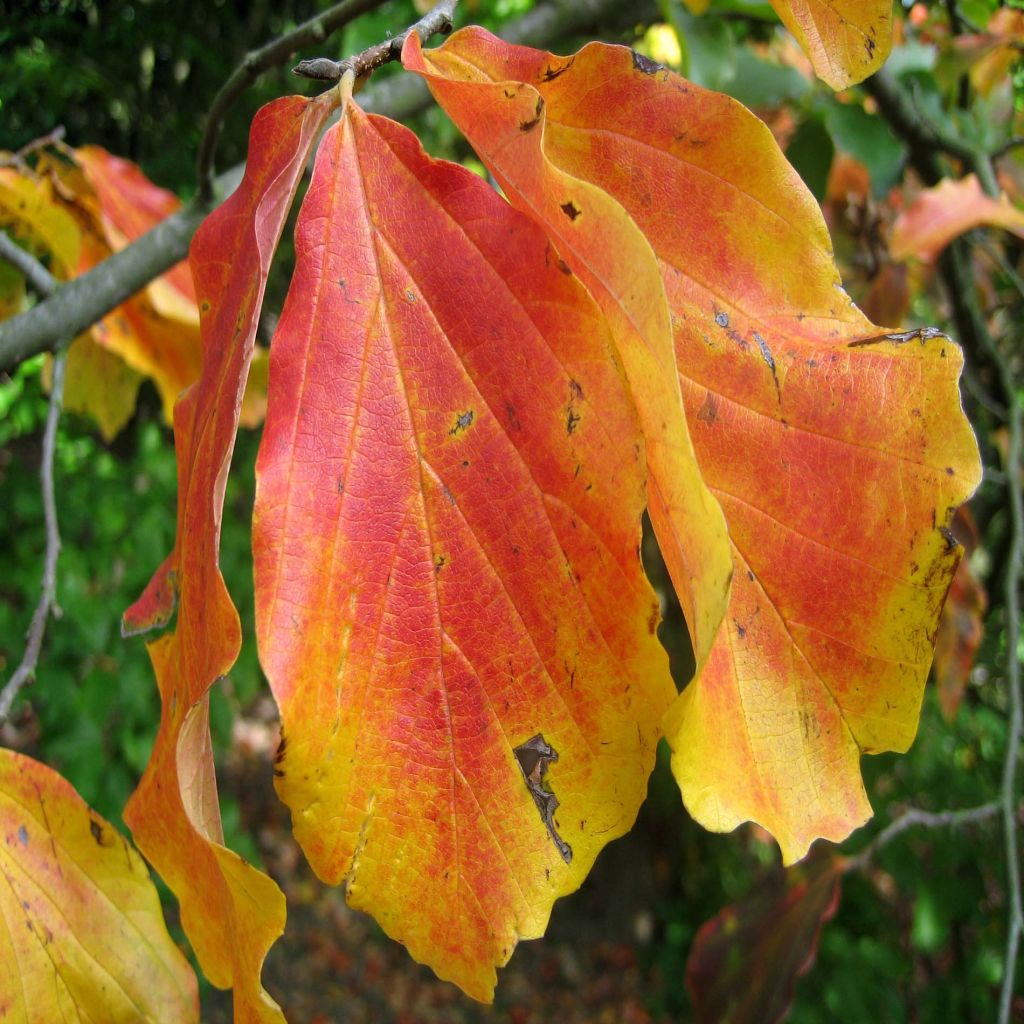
(231, 911)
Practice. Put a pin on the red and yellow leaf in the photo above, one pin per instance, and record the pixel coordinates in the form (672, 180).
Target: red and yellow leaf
(837, 451)
(745, 961)
(29, 210)
(940, 214)
(535, 160)
(131, 205)
(82, 936)
(846, 40)
(156, 332)
(451, 608)
(231, 911)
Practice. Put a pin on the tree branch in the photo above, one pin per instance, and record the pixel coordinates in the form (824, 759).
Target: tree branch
(79, 303)
(437, 20)
(26, 670)
(276, 52)
(915, 818)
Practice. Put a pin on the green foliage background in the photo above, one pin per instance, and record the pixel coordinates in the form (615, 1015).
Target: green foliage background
(921, 938)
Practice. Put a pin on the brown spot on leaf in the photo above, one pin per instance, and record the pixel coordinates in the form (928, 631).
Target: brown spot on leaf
(709, 410)
(549, 74)
(526, 126)
(645, 65)
(571, 210)
(463, 421)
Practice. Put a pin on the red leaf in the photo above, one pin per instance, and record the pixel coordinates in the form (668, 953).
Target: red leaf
(230, 911)
(745, 961)
(450, 604)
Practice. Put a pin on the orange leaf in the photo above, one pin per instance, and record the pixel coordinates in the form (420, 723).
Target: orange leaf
(846, 40)
(526, 134)
(231, 911)
(156, 332)
(81, 930)
(131, 205)
(450, 604)
(745, 961)
(838, 452)
(942, 213)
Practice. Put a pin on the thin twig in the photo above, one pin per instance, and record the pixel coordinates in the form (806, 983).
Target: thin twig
(915, 818)
(18, 158)
(276, 52)
(34, 272)
(437, 20)
(26, 670)
(87, 299)
(1011, 589)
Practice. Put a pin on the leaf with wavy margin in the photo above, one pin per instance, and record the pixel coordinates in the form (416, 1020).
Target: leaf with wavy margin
(82, 936)
(838, 451)
(231, 911)
(846, 40)
(450, 604)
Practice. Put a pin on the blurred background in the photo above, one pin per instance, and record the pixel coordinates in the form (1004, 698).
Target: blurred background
(917, 934)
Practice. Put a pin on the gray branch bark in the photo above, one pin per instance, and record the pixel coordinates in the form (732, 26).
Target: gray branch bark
(83, 301)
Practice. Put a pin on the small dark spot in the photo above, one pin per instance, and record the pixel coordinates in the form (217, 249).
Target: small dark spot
(341, 485)
(722, 319)
(575, 390)
(410, 295)
(463, 421)
(949, 538)
(564, 267)
(550, 74)
(97, 831)
(204, 306)
(525, 126)
(465, 463)
(23, 835)
(281, 747)
(869, 45)
(571, 210)
(949, 471)
(741, 631)
(750, 575)
(439, 563)
(709, 409)
(572, 420)
(645, 65)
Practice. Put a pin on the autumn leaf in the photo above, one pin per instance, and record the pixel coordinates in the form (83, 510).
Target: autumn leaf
(745, 961)
(30, 212)
(231, 911)
(837, 450)
(82, 936)
(942, 213)
(451, 609)
(846, 40)
(155, 332)
(512, 130)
